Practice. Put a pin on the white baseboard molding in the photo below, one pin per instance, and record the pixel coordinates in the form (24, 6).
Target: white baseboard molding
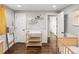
(70, 35)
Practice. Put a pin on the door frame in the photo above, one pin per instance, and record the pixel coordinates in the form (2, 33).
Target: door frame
(57, 22)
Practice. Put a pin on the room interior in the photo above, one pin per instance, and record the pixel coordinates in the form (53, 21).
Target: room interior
(39, 29)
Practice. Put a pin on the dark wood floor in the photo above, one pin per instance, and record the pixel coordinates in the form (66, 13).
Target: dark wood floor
(20, 48)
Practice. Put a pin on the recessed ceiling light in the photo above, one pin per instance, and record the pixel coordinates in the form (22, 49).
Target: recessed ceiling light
(18, 5)
(54, 6)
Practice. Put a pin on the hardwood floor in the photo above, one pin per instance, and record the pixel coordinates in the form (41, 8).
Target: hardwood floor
(20, 48)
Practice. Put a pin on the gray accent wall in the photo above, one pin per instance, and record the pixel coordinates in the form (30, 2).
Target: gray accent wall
(70, 29)
(65, 24)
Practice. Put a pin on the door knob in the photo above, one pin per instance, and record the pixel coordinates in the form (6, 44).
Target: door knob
(62, 32)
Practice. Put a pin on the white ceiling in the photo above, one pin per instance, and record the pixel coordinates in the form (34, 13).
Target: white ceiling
(37, 7)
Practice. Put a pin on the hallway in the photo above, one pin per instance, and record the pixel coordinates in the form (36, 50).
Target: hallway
(39, 28)
(20, 48)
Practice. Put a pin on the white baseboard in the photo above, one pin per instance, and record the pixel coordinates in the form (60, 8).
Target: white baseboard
(70, 35)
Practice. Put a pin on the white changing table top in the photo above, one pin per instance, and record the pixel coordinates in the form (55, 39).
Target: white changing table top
(35, 31)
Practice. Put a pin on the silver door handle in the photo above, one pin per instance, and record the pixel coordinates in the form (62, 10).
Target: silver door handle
(62, 32)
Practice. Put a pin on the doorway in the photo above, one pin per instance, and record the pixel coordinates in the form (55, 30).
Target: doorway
(52, 24)
(20, 27)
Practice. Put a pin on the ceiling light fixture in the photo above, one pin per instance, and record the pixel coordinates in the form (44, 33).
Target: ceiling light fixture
(54, 6)
(18, 5)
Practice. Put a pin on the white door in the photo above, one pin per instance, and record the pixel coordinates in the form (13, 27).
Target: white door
(20, 27)
(52, 24)
(60, 22)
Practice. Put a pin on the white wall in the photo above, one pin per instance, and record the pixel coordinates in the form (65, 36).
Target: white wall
(70, 29)
(42, 25)
(10, 17)
(10, 24)
(38, 26)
